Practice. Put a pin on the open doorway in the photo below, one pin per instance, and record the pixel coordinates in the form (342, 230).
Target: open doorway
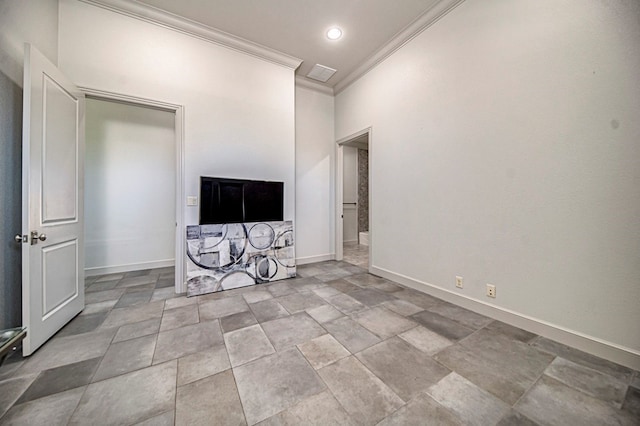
(133, 181)
(352, 199)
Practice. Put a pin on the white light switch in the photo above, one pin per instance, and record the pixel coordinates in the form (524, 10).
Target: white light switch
(192, 201)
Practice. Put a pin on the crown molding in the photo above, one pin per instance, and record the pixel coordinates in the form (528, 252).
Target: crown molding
(308, 84)
(411, 31)
(150, 14)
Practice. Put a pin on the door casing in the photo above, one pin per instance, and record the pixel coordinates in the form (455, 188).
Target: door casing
(178, 110)
(338, 191)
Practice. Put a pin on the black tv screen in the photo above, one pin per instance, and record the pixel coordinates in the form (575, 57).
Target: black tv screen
(224, 200)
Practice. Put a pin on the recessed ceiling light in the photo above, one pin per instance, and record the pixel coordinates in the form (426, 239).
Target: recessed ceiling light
(334, 33)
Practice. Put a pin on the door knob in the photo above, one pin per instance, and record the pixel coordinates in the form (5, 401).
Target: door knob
(35, 237)
(21, 238)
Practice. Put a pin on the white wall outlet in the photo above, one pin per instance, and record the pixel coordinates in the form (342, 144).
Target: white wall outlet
(192, 201)
(459, 282)
(491, 290)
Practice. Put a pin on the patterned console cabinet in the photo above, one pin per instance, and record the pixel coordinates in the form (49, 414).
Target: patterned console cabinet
(222, 257)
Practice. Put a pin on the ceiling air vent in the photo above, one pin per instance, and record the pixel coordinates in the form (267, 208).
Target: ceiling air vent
(321, 73)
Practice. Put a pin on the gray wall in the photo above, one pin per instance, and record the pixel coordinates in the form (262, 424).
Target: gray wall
(10, 194)
(36, 22)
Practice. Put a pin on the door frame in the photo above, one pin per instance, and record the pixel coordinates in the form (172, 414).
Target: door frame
(178, 110)
(339, 182)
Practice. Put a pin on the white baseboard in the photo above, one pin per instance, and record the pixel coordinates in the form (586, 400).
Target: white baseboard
(103, 270)
(315, 259)
(593, 345)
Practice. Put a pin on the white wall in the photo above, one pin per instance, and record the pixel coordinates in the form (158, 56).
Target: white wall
(350, 194)
(505, 150)
(239, 110)
(315, 163)
(350, 175)
(130, 179)
(34, 21)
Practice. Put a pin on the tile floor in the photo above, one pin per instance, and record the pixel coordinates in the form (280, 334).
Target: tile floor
(356, 254)
(333, 346)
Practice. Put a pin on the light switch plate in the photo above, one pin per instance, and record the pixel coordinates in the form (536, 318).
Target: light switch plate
(192, 201)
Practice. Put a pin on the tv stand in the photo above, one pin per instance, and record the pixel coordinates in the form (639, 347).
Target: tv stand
(234, 255)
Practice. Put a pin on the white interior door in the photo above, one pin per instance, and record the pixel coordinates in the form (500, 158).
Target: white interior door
(52, 214)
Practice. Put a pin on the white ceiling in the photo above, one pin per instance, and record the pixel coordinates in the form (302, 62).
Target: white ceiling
(298, 27)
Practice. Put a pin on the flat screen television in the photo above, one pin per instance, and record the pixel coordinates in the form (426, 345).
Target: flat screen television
(224, 200)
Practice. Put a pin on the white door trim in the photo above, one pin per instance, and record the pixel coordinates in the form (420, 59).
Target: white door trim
(339, 182)
(178, 110)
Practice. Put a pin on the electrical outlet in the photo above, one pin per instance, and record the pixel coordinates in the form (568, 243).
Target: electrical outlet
(491, 290)
(459, 282)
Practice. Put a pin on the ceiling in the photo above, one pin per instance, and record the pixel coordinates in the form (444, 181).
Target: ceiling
(298, 27)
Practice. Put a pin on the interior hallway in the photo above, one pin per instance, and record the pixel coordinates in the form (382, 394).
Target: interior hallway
(334, 346)
(356, 254)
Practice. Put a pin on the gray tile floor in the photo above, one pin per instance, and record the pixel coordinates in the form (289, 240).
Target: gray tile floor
(333, 346)
(356, 254)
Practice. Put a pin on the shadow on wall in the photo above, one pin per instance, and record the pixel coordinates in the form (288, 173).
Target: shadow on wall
(11, 204)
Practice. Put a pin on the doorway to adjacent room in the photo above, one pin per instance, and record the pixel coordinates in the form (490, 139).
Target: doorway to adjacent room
(134, 155)
(130, 186)
(352, 199)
